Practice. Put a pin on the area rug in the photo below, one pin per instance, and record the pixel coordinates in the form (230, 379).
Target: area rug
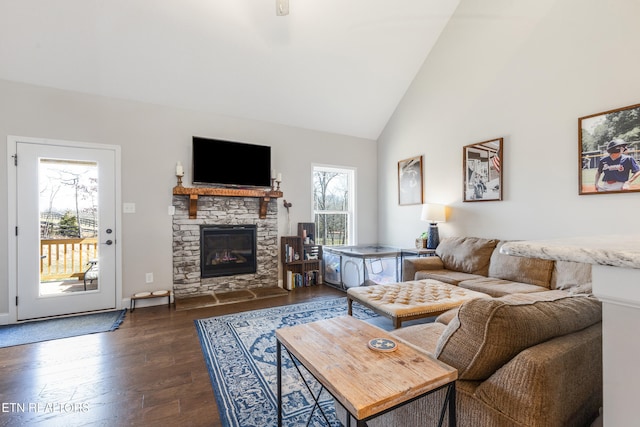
(62, 327)
(240, 352)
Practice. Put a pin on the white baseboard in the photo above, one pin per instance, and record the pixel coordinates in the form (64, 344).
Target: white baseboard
(125, 303)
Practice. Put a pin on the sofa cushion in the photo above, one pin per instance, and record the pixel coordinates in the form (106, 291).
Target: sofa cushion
(411, 265)
(555, 383)
(466, 254)
(499, 287)
(447, 316)
(425, 336)
(533, 271)
(446, 276)
(567, 274)
(487, 333)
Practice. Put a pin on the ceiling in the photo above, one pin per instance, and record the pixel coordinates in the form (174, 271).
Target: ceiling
(330, 65)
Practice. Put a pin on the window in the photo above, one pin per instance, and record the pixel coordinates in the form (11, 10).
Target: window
(334, 205)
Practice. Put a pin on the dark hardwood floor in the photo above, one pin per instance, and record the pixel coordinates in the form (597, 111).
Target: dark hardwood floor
(149, 372)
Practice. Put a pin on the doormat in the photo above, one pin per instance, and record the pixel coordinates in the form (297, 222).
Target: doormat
(61, 327)
(240, 352)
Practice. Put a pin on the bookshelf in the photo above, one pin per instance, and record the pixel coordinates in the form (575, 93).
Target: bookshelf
(301, 262)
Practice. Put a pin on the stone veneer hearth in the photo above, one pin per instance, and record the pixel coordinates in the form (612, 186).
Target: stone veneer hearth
(219, 210)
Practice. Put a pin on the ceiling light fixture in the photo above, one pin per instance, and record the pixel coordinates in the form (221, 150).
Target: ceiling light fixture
(282, 7)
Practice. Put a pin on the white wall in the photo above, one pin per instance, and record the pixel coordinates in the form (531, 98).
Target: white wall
(153, 139)
(525, 71)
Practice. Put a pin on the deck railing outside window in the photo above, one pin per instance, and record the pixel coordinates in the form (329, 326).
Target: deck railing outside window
(66, 258)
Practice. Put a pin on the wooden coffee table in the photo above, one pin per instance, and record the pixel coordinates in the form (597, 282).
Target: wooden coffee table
(366, 382)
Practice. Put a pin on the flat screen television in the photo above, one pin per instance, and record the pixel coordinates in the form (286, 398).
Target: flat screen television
(231, 163)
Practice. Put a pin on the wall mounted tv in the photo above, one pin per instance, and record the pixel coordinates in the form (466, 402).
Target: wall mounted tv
(231, 163)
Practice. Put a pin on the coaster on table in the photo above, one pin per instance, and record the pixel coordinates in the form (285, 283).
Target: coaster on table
(382, 344)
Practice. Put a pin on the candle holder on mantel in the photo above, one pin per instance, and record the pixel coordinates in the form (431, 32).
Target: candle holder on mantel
(273, 184)
(179, 180)
(278, 185)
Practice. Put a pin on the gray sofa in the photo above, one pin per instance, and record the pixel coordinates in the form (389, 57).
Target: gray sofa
(477, 264)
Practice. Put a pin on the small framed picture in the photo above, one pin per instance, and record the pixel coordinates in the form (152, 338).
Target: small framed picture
(410, 181)
(483, 165)
(609, 152)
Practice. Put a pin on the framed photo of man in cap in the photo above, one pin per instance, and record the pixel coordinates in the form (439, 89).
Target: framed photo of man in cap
(609, 151)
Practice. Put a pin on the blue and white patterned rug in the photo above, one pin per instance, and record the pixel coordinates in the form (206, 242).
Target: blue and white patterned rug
(240, 352)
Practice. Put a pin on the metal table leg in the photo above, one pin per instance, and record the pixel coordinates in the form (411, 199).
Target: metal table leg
(279, 375)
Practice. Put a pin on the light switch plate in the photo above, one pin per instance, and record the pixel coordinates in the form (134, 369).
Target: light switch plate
(129, 208)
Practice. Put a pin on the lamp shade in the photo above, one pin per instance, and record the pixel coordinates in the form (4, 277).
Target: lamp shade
(433, 213)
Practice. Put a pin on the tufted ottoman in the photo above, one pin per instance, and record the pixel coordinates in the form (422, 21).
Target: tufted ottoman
(411, 300)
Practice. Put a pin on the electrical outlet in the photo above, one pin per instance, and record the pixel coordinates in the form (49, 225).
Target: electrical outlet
(149, 277)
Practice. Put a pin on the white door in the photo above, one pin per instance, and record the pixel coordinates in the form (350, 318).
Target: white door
(66, 229)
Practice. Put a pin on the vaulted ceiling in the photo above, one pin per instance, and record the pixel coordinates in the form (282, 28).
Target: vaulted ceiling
(338, 66)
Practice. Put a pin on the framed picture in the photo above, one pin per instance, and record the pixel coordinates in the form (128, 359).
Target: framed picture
(609, 152)
(410, 181)
(482, 164)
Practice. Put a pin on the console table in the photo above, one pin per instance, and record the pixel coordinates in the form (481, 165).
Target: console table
(616, 282)
(352, 372)
(418, 252)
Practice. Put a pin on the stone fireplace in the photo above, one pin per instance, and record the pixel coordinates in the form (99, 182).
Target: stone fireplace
(231, 217)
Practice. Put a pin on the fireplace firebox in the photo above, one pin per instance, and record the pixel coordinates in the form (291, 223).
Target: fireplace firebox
(226, 250)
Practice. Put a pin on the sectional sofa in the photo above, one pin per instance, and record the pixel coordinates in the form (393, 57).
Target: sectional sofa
(477, 264)
(530, 356)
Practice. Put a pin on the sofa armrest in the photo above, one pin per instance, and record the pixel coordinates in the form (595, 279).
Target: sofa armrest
(411, 265)
(557, 382)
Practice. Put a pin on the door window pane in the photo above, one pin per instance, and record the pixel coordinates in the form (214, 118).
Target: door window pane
(68, 206)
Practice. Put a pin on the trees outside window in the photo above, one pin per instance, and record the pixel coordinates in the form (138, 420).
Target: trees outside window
(68, 199)
(333, 205)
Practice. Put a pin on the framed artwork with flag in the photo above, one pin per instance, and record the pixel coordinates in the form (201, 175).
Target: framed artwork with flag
(482, 165)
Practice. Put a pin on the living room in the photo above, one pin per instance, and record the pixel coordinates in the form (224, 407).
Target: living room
(527, 80)
(523, 72)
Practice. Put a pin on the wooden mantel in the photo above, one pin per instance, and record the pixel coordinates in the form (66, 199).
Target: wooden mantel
(194, 192)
